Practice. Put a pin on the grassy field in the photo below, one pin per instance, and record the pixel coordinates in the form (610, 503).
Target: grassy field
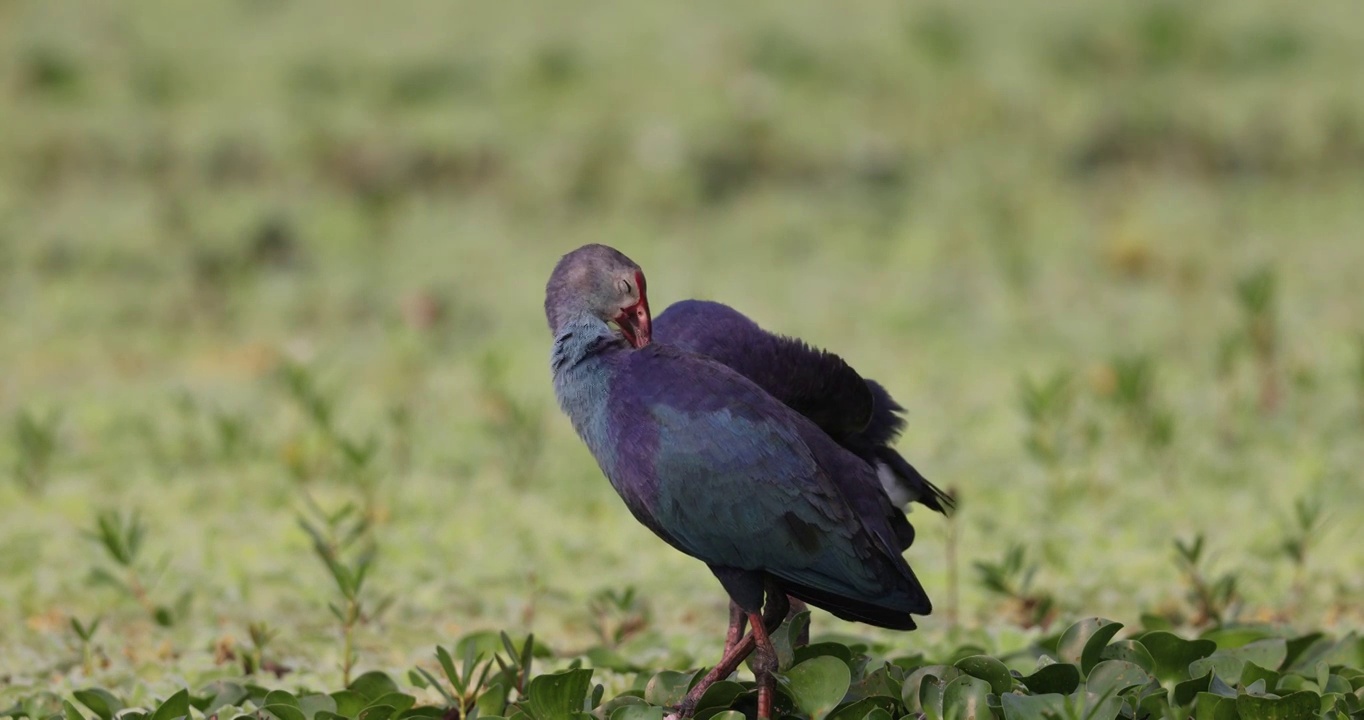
(259, 255)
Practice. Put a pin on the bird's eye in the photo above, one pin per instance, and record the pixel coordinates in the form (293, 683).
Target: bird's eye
(624, 286)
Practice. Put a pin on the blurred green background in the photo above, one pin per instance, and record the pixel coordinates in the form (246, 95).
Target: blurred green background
(1107, 254)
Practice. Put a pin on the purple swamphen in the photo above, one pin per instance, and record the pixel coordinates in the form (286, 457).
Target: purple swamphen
(858, 414)
(723, 471)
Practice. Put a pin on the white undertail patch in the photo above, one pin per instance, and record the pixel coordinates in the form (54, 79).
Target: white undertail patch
(899, 491)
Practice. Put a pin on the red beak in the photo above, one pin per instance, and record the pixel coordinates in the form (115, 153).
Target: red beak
(635, 323)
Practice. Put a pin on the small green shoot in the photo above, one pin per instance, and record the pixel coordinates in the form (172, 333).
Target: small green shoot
(343, 541)
(1047, 405)
(617, 615)
(85, 633)
(1257, 294)
(1214, 600)
(36, 442)
(1011, 578)
(121, 537)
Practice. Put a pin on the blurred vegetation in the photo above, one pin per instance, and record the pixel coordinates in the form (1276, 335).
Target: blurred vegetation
(265, 260)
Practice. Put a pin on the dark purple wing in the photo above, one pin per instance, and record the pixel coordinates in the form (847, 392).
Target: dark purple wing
(814, 383)
(727, 474)
(857, 413)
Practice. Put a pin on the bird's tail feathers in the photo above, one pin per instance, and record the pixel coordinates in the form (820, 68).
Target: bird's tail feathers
(904, 484)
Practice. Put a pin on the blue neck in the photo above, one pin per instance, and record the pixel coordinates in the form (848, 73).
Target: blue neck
(582, 379)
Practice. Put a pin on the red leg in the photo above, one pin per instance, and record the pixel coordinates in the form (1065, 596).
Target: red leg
(727, 665)
(764, 666)
(737, 622)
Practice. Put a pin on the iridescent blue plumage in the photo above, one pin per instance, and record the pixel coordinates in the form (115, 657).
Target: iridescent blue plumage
(859, 414)
(725, 473)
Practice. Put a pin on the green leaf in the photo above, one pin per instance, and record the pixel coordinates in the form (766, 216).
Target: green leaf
(1174, 654)
(1185, 692)
(312, 704)
(931, 696)
(225, 693)
(558, 695)
(1130, 651)
(784, 640)
(966, 699)
(378, 712)
(911, 691)
(878, 714)
(1083, 642)
(1033, 707)
(1337, 685)
(69, 711)
(1253, 672)
(284, 712)
(668, 687)
(349, 703)
(448, 665)
(860, 709)
(1304, 650)
(817, 685)
(373, 685)
(1232, 637)
(637, 712)
(1115, 676)
(606, 709)
(988, 669)
(1222, 664)
(609, 659)
(400, 702)
(1060, 678)
(175, 706)
(1214, 707)
(99, 701)
(425, 712)
(1296, 706)
(493, 701)
(727, 715)
(280, 697)
(720, 695)
(821, 649)
(1267, 653)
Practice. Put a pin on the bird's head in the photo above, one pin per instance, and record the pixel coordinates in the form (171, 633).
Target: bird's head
(600, 281)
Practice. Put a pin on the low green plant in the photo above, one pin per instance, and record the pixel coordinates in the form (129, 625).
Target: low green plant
(1048, 406)
(1134, 394)
(261, 635)
(36, 445)
(1304, 529)
(467, 694)
(121, 538)
(1084, 672)
(344, 542)
(1213, 599)
(1257, 296)
(617, 615)
(1011, 579)
(85, 634)
(514, 424)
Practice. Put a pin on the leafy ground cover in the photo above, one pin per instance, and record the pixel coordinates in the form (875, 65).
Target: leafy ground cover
(1245, 671)
(275, 409)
